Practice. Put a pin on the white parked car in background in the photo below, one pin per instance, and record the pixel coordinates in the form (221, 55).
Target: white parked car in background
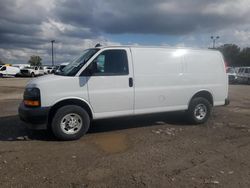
(7, 70)
(244, 75)
(61, 67)
(108, 82)
(32, 71)
(232, 75)
(40, 71)
(48, 69)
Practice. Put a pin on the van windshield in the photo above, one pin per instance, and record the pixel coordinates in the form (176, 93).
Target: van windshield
(76, 64)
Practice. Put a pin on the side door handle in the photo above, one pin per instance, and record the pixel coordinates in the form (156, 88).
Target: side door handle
(130, 82)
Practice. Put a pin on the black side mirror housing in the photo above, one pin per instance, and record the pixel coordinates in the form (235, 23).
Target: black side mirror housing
(90, 70)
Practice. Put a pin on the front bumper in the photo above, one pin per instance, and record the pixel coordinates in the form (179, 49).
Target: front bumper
(35, 118)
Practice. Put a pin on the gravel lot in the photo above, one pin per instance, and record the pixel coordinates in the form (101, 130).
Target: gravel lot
(147, 151)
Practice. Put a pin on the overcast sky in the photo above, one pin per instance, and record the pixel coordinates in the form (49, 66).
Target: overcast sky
(28, 26)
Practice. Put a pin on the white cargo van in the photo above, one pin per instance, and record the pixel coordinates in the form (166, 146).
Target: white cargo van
(108, 82)
(7, 70)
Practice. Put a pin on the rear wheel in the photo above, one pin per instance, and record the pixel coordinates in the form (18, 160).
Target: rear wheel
(70, 122)
(32, 74)
(199, 110)
(248, 81)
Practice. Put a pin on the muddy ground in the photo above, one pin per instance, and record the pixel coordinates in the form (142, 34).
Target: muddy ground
(147, 151)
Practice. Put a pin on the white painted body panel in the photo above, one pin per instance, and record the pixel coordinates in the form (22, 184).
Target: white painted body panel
(164, 79)
(158, 78)
(205, 70)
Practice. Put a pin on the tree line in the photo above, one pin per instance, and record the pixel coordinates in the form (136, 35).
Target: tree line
(234, 55)
(33, 61)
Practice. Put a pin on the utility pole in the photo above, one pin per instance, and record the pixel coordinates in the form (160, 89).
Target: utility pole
(52, 52)
(214, 39)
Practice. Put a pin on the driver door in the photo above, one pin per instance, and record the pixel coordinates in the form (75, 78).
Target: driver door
(110, 86)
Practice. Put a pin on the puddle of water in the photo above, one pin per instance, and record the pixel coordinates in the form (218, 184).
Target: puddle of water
(112, 142)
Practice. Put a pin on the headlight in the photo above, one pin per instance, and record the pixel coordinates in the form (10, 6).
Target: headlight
(31, 97)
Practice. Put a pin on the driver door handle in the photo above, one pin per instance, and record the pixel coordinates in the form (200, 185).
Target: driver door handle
(130, 82)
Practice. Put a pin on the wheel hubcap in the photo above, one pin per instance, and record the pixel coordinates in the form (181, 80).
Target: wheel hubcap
(200, 111)
(71, 123)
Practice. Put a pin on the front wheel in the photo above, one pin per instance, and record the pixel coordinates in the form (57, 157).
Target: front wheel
(70, 122)
(199, 110)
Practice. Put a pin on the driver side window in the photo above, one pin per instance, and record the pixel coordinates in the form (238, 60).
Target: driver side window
(100, 60)
(110, 63)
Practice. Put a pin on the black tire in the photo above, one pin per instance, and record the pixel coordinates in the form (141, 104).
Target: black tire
(248, 81)
(32, 74)
(194, 115)
(59, 132)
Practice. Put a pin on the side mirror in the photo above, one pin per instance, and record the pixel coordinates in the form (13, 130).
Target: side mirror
(90, 70)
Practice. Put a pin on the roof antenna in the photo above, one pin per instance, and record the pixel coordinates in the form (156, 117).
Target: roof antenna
(98, 45)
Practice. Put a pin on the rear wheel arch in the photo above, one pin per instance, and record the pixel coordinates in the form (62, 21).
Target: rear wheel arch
(65, 102)
(203, 94)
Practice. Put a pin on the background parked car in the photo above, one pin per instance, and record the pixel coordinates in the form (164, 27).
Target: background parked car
(61, 67)
(32, 71)
(54, 68)
(232, 75)
(40, 71)
(244, 75)
(48, 69)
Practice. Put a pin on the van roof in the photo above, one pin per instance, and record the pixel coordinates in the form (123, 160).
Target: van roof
(166, 47)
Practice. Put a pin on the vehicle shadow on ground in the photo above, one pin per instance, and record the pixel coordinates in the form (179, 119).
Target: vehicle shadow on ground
(12, 129)
(106, 125)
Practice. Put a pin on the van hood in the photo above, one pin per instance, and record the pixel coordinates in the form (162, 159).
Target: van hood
(44, 80)
(54, 88)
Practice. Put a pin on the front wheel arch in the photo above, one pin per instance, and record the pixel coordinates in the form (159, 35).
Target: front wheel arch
(65, 102)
